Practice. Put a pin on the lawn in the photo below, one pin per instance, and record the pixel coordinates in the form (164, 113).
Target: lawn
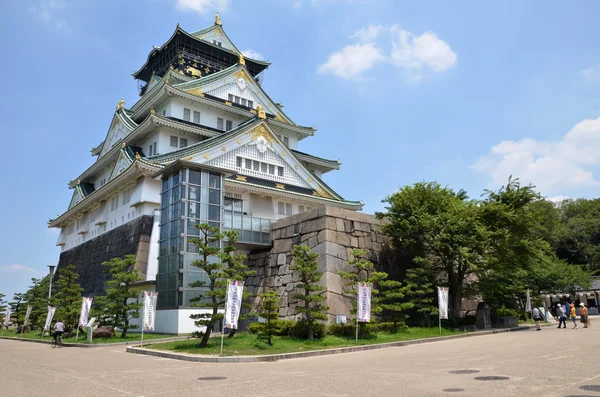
(131, 337)
(246, 344)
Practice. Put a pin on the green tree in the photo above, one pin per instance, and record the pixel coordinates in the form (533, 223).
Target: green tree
(2, 309)
(68, 297)
(120, 291)
(269, 310)
(305, 263)
(440, 229)
(363, 271)
(214, 291)
(18, 307)
(235, 268)
(420, 292)
(37, 296)
(577, 236)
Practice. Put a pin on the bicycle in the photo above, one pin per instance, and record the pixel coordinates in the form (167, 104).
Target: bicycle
(57, 342)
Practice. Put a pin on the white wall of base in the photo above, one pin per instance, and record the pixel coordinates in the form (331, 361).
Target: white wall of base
(178, 321)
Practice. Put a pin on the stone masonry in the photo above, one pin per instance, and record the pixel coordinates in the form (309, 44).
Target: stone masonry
(330, 232)
(131, 238)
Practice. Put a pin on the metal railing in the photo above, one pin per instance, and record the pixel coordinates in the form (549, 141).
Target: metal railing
(252, 230)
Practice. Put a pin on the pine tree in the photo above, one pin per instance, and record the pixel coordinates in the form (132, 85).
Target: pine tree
(18, 307)
(305, 263)
(2, 309)
(392, 294)
(363, 272)
(68, 297)
(119, 290)
(420, 292)
(213, 294)
(37, 296)
(235, 268)
(269, 310)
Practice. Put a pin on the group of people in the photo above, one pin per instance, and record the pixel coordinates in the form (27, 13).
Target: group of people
(567, 310)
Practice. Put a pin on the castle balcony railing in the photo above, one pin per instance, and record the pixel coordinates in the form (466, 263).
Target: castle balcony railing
(252, 230)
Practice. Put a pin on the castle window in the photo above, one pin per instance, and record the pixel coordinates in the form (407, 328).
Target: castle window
(219, 123)
(183, 142)
(250, 104)
(196, 117)
(284, 208)
(186, 114)
(228, 125)
(174, 141)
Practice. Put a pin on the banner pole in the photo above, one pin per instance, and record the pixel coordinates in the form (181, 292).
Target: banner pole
(77, 333)
(143, 304)
(224, 319)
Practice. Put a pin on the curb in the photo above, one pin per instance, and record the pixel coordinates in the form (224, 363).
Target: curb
(288, 356)
(85, 345)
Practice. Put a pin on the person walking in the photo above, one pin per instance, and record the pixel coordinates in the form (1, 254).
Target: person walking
(583, 315)
(573, 315)
(562, 315)
(537, 317)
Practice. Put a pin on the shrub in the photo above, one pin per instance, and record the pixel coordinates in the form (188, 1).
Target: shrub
(300, 330)
(254, 328)
(504, 312)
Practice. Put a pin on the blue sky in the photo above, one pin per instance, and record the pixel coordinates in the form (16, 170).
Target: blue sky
(463, 93)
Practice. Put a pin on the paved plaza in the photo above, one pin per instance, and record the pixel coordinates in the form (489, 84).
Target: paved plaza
(551, 362)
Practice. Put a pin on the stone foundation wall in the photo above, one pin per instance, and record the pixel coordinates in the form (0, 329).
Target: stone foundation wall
(131, 238)
(328, 231)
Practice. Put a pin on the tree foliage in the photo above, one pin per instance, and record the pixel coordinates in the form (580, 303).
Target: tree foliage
(67, 297)
(311, 299)
(269, 310)
(235, 268)
(117, 306)
(2, 309)
(441, 230)
(37, 297)
(214, 290)
(18, 306)
(419, 291)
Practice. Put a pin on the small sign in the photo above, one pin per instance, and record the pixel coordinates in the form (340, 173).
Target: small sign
(262, 320)
(340, 319)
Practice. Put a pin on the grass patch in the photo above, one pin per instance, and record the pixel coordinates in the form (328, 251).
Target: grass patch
(246, 344)
(131, 337)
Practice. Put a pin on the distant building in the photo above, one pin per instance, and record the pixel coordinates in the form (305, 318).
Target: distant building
(204, 143)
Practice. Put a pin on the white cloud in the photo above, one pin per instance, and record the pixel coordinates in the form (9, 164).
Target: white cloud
(297, 4)
(553, 166)
(253, 54)
(203, 6)
(557, 199)
(352, 60)
(51, 13)
(368, 34)
(421, 54)
(18, 268)
(591, 74)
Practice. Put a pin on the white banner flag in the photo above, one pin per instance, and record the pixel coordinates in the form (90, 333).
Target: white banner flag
(363, 310)
(149, 310)
(7, 318)
(49, 317)
(528, 303)
(443, 302)
(235, 292)
(85, 311)
(27, 314)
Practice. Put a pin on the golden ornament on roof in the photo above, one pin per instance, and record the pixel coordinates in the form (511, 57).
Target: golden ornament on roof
(152, 111)
(137, 156)
(120, 104)
(261, 112)
(242, 61)
(217, 19)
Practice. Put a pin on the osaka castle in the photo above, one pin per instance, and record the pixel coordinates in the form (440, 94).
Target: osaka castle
(203, 144)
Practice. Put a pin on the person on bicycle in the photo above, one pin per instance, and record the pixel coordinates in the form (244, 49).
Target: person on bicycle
(59, 329)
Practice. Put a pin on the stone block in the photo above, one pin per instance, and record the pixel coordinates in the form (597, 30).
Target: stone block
(361, 243)
(281, 259)
(368, 243)
(306, 236)
(348, 226)
(283, 245)
(330, 223)
(312, 242)
(322, 236)
(329, 248)
(335, 212)
(338, 304)
(339, 225)
(313, 225)
(353, 242)
(290, 231)
(332, 282)
(362, 217)
(362, 226)
(276, 234)
(286, 279)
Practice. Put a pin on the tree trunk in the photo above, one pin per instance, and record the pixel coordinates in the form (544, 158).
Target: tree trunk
(361, 330)
(455, 293)
(209, 328)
